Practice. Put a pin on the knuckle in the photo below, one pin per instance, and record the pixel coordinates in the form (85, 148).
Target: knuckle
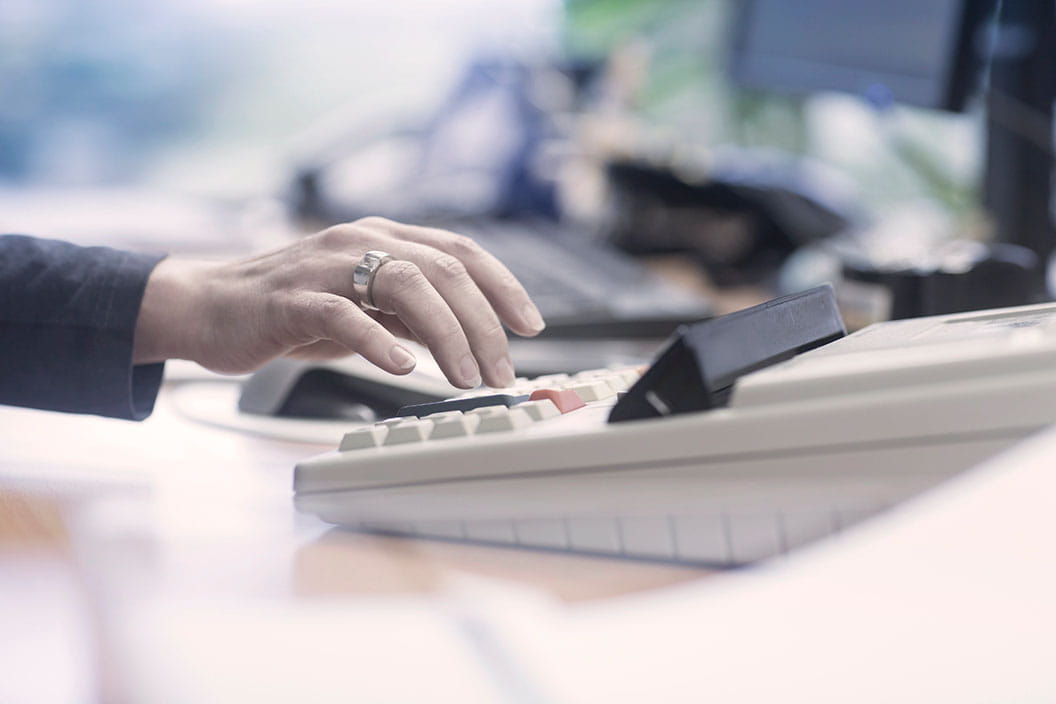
(330, 308)
(319, 310)
(375, 221)
(494, 330)
(336, 237)
(464, 247)
(404, 275)
(449, 267)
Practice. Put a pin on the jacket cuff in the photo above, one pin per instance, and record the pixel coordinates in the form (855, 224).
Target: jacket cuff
(128, 391)
(68, 319)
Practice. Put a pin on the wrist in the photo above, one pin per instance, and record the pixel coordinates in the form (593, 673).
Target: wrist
(170, 315)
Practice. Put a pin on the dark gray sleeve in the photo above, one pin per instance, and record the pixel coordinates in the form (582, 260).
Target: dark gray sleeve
(67, 324)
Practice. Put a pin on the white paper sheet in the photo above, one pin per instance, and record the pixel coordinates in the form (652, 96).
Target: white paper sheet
(950, 598)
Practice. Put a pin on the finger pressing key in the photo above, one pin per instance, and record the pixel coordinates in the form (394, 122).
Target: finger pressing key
(400, 288)
(474, 311)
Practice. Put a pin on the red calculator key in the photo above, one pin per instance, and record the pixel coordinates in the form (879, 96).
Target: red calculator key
(566, 400)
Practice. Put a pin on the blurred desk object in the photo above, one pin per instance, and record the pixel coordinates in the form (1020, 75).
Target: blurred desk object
(571, 350)
(30, 522)
(686, 274)
(585, 288)
(99, 517)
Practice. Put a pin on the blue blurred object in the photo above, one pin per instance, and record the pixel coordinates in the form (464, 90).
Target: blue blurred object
(476, 155)
(480, 149)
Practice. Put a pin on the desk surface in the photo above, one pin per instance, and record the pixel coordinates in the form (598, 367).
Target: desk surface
(949, 598)
(51, 464)
(210, 512)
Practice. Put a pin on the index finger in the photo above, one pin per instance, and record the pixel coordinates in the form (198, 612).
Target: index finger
(498, 284)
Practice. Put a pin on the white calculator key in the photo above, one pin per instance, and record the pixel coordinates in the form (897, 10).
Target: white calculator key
(593, 391)
(494, 419)
(630, 376)
(411, 430)
(363, 437)
(539, 410)
(456, 426)
(546, 381)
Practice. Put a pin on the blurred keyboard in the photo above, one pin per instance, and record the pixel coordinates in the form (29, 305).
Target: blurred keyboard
(584, 287)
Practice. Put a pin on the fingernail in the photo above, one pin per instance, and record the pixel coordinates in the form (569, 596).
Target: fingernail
(504, 370)
(532, 319)
(402, 358)
(470, 371)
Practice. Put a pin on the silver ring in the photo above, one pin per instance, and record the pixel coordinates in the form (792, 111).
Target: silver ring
(363, 277)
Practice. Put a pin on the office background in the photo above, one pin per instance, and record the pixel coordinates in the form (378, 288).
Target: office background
(190, 126)
(219, 98)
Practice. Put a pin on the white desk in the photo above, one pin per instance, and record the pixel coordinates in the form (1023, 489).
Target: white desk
(169, 508)
(191, 580)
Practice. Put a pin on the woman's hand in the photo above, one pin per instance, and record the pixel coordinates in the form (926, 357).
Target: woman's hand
(443, 290)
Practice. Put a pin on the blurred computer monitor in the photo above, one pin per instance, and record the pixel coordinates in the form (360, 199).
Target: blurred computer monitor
(918, 53)
(928, 54)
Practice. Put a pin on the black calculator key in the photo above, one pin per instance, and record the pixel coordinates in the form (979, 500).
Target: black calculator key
(461, 404)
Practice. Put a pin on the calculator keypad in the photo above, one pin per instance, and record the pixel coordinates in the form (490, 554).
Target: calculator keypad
(485, 412)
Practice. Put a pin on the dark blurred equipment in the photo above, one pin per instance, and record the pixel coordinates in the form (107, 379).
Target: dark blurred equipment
(964, 276)
(931, 55)
(1019, 130)
(740, 228)
(585, 288)
(346, 390)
